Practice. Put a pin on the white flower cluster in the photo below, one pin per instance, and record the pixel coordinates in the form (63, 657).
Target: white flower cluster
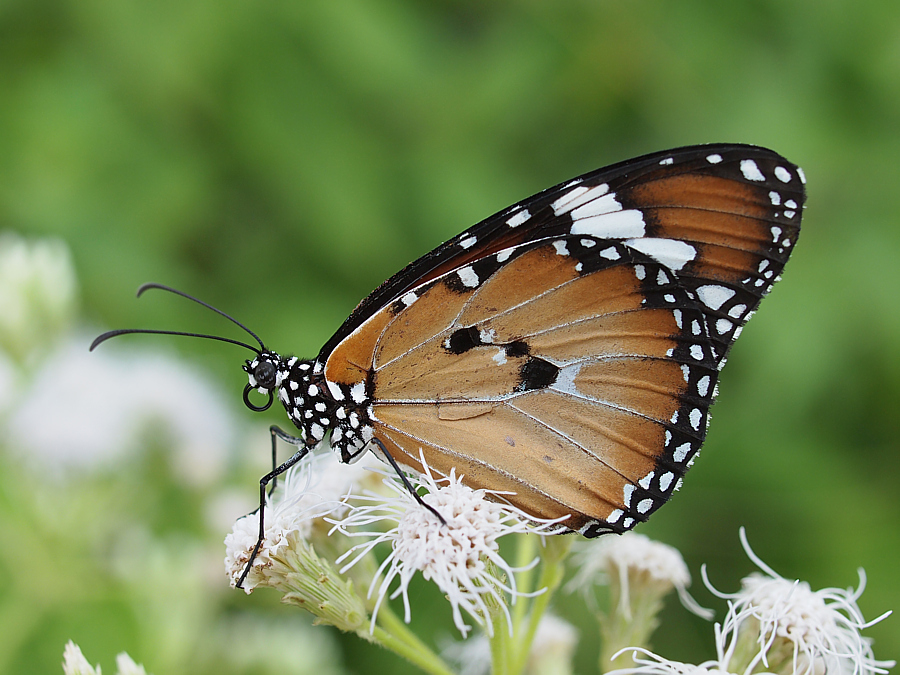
(74, 663)
(37, 293)
(781, 626)
(461, 555)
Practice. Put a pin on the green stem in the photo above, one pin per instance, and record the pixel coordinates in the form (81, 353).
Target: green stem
(501, 644)
(552, 571)
(525, 552)
(395, 635)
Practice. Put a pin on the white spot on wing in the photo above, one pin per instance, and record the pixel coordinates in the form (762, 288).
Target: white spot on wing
(714, 159)
(468, 242)
(589, 243)
(751, 171)
(783, 174)
(695, 418)
(703, 386)
(518, 218)
(335, 390)
(467, 276)
(665, 481)
(737, 311)
(613, 225)
(802, 175)
(775, 198)
(358, 392)
(591, 204)
(723, 326)
(667, 160)
(681, 452)
(560, 247)
(714, 296)
(609, 253)
(578, 197)
(503, 256)
(672, 253)
(409, 298)
(565, 380)
(500, 357)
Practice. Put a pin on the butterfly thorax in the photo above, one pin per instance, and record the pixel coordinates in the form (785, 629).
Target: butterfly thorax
(315, 405)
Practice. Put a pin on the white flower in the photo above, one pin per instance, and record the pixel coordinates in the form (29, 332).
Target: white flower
(37, 293)
(88, 410)
(316, 486)
(789, 627)
(657, 665)
(461, 556)
(633, 561)
(74, 662)
(126, 666)
(551, 650)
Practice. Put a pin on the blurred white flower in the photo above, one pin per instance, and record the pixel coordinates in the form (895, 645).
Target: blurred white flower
(640, 573)
(89, 409)
(126, 666)
(244, 642)
(37, 293)
(461, 556)
(471, 656)
(74, 662)
(9, 378)
(787, 627)
(633, 561)
(657, 665)
(551, 650)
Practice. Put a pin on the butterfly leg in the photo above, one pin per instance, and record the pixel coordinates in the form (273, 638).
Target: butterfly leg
(272, 476)
(406, 482)
(277, 433)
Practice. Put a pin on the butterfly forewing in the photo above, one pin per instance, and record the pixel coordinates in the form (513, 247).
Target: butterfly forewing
(566, 350)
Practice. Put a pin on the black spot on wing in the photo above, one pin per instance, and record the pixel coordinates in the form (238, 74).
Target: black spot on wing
(536, 373)
(517, 349)
(462, 340)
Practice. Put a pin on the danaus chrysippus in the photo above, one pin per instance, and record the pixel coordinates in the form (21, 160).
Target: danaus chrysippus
(565, 350)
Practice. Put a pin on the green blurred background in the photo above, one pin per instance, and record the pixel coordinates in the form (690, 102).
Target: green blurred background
(280, 159)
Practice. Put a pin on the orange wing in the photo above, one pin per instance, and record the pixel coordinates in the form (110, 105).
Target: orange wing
(560, 385)
(574, 365)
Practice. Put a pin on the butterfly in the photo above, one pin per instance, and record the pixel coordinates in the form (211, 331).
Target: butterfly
(564, 351)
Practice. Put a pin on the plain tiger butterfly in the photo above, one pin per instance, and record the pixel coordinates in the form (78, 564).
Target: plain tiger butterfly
(565, 350)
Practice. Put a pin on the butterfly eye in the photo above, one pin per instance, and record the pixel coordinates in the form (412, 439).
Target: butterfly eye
(265, 374)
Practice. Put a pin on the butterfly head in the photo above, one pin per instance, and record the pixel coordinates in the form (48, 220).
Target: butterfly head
(264, 373)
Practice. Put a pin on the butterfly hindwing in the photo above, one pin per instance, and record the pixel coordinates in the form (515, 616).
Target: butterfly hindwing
(566, 376)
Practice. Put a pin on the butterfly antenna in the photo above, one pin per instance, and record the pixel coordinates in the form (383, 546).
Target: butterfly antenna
(163, 287)
(126, 331)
